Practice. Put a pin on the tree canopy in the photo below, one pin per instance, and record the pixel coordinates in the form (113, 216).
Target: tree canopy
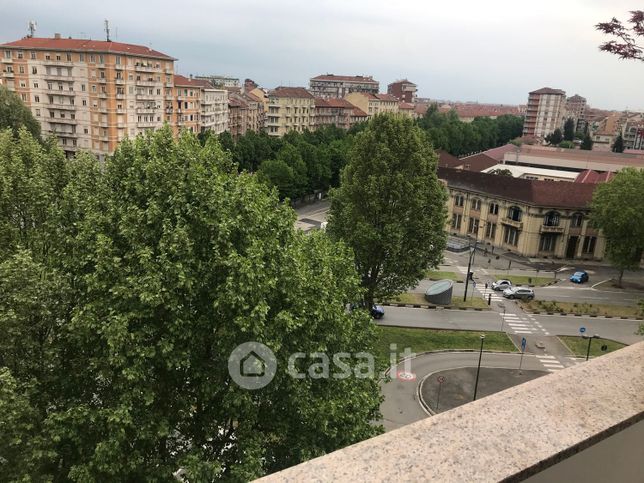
(617, 210)
(390, 206)
(124, 289)
(626, 46)
(14, 114)
(555, 137)
(586, 142)
(618, 145)
(569, 129)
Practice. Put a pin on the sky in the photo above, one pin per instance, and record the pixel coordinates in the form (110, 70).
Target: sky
(493, 51)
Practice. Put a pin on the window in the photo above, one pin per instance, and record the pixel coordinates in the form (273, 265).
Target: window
(456, 221)
(490, 230)
(577, 220)
(37, 112)
(83, 87)
(24, 97)
(551, 219)
(7, 54)
(101, 59)
(92, 58)
(69, 57)
(473, 226)
(118, 60)
(47, 57)
(547, 242)
(511, 236)
(459, 200)
(494, 209)
(35, 85)
(514, 213)
(57, 56)
(81, 57)
(36, 98)
(33, 56)
(84, 102)
(21, 69)
(589, 245)
(476, 204)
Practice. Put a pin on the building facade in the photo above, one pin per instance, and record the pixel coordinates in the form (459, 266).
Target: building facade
(220, 81)
(214, 109)
(289, 109)
(545, 112)
(403, 90)
(90, 94)
(373, 104)
(576, 108)
(529, 217)
(339, 86)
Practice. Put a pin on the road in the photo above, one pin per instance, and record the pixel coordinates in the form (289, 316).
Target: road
(514, 322)
(401, 405)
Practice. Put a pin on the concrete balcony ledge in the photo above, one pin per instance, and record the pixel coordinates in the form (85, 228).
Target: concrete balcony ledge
(584, 423)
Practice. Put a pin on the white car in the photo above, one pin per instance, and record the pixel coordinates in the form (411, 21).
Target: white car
(501, 285)
(519, 293)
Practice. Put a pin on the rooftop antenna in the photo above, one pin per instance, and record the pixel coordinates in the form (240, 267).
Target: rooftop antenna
(107, 30)
(32, 28)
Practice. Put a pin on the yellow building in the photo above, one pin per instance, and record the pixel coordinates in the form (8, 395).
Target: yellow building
(290, 109)
(373, 104)
(90, 94)
(533, 218)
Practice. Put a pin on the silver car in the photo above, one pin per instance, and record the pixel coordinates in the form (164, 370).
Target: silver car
(519, 293)
(501, 284)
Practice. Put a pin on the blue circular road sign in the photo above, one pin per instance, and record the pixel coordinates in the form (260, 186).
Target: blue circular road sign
(582, 329)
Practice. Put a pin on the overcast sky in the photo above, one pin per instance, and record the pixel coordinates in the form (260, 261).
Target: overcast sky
(485, 51)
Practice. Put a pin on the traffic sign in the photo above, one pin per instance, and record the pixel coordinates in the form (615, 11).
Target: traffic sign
(523, 343)
(582, 329)
(440, 379)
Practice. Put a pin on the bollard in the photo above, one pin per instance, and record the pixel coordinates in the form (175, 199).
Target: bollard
(489, 299)
(485, 285)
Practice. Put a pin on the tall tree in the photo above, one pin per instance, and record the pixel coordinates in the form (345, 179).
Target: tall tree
(618, 145)
(626, 46)
(587, 142)
(617, 210)
(14, 114)
(121, 298)
(555, 137)
(569, 129)
(390, 207)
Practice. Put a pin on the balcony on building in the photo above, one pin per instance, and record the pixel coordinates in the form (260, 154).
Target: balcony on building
(146, 68)
(584, 423)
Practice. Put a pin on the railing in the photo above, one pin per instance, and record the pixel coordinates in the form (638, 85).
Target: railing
(552, 229)
(509, 221)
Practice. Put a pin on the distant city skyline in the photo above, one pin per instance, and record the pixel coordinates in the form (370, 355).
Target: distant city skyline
(491, 52)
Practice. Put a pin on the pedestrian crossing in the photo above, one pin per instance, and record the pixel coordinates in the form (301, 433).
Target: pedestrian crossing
(522, 324)
(553, 363)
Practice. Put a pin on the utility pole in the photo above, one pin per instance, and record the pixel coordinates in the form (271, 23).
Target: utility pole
(478, 370)
(469, 266)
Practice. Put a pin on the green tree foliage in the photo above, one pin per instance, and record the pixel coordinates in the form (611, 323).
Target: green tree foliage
(617, 210)
(14, 114)
(569, 129)
(567, 145)
(501, 172)
(587, 142)
(447, 132)
(555, 137)
(618, 145)
(277, 173)
(390, 207)
(123, 290)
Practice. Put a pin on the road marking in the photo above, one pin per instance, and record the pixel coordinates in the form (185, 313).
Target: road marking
(545, 357)
(523, 332)
(546, 333)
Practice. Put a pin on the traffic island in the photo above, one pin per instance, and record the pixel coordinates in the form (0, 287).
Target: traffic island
(457, 386)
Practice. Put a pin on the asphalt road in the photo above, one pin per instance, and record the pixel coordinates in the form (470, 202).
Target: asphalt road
(616, 329)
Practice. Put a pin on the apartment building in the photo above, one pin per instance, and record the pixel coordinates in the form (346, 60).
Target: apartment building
(403, 90)
(246, 114)
(576, 108)
(337, 112)
(545, 112)
(187, 103)
(530, 217)
(214, 109)
(373, 104)
(90, 94)
(633, 132)
(220, 80)
(290, 109)
(407, 110)
(338, 86)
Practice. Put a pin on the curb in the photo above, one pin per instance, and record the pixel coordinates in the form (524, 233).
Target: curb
(571, 314)
(428, 306)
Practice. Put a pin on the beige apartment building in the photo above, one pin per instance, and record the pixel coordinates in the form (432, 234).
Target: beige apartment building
(246, 113)
(337, 112)
(545, 113)
(290, 109)
(576, 108)
(90, 94)
(338, 86)
(532, 218)
(373, 104)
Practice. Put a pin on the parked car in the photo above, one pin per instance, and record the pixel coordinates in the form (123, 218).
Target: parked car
(501, 285)
(518, 293)
(377, 311)
(579, 277)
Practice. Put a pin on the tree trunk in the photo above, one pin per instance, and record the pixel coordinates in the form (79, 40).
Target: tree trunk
(619, 280)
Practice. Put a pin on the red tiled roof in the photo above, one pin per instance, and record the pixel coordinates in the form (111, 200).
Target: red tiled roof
(446, 160)
(555, 194)
(402, 81)
(299, 92)
(590, 176)
(386, 97)
(498, 153)
(406, 105)
(345, 78)
(421, 109)
(357, 112)
(86, 45)
(477, 162)
(548, 90)
(183, 81)
(319, 102)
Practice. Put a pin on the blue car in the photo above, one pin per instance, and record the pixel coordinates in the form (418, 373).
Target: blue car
(377, 311)
(579, 277)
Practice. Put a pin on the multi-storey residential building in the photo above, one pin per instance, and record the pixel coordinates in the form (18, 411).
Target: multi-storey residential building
(403, 90)
(576, 108)
(545, 112)
(187, 108)
(214, 109)
(246, 114)
(633, 132)
(256, 114)
(220, 80)
(338, 86)
(290, 109)
(529, 217)
(407, 109)
(373, 104)
(89, 93)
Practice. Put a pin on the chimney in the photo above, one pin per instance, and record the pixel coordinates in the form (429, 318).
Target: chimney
(56, 36)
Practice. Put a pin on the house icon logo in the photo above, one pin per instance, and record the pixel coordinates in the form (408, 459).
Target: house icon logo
(252, 365)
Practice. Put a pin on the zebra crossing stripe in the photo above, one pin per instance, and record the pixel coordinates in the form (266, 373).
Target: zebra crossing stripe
(545, 357)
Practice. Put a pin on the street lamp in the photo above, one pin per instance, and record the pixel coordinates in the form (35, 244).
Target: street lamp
(469, 266)
(590, 339)
(478, 369)
(502, 305)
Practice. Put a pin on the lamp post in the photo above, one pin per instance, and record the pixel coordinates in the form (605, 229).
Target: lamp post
(502, 305)
(478, 369)
(469, 266)
(590, 339)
